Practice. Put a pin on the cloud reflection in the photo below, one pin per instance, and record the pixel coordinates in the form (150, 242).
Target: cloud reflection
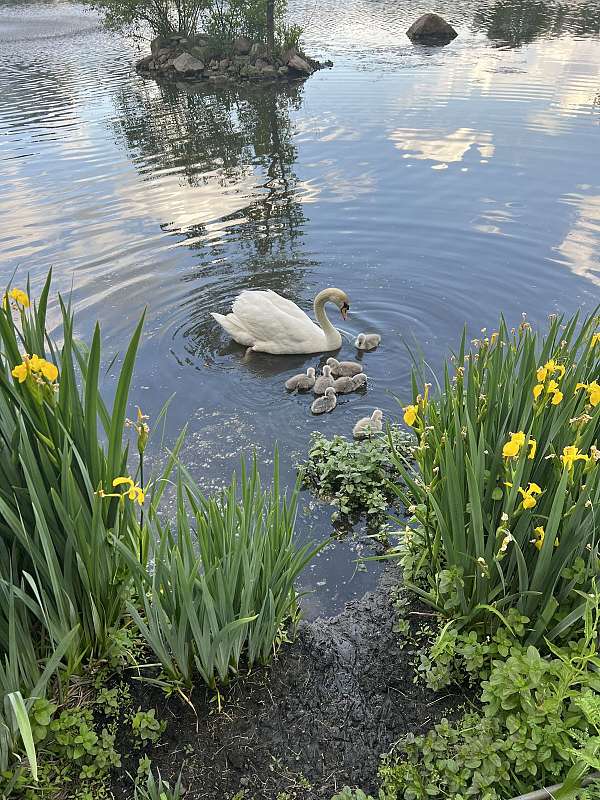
(579, 248)
(443, 148)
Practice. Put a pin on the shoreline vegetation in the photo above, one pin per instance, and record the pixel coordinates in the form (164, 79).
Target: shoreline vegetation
(152, 658)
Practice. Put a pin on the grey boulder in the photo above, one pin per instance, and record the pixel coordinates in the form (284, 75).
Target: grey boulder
(187, 63)
(431, 29)
(298, 64)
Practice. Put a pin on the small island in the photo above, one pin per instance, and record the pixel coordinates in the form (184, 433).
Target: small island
(193, 40)
(203, 57)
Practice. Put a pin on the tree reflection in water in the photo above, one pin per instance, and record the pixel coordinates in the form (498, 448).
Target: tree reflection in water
(518, 22)
(224, 142)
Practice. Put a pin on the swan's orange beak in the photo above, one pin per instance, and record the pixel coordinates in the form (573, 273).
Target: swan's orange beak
(344, 310)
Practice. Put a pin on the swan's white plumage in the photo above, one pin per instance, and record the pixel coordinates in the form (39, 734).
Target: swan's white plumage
(269, 323)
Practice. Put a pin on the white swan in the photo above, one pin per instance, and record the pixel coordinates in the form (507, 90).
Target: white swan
(366, 426)
(367, 341)
(268, 323)
(325, 404)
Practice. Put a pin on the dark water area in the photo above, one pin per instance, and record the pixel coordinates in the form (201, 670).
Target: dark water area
(438, 187)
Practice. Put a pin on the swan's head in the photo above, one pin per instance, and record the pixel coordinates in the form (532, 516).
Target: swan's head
(377, 415)
(330, 391)
(333, 362)
(310, 372)
(327, 371)
(360, 340)
(336, 296)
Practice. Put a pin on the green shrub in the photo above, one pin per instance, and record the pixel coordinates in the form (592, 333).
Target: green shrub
(355, 794)
(222, 19)
(146, 727)
(539, 720)
(507, 478)
(356, 477)
(223, 581)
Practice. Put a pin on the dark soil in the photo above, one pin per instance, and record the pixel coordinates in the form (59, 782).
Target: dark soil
(315, 720)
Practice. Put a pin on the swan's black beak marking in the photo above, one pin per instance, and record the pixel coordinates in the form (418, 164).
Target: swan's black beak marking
(345, 309)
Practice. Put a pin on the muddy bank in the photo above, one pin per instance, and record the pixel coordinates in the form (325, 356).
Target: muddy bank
(316, 719)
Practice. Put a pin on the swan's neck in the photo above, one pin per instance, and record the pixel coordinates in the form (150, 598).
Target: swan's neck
(332, 335)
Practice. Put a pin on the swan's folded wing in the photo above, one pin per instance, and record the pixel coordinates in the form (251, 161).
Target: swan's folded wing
(288, 306)
(267, 322)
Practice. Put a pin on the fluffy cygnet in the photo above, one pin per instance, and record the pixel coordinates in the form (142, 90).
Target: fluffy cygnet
(367, 426)
(367, 341)
(302, 382)
(343, 369)
(325, 404)
(324, 381)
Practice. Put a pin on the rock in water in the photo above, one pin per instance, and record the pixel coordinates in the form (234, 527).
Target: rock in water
(431, 29)
(297, 63)
(187, 63)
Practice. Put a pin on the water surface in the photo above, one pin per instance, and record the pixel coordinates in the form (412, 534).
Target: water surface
(436, 186)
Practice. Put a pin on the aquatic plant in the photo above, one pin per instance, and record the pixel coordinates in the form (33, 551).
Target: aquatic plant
(223, 582)
(356, 477)
(503, 496)
(58, 524)
(77, 529)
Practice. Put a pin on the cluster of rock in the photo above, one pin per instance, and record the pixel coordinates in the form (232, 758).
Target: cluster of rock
(199, 57)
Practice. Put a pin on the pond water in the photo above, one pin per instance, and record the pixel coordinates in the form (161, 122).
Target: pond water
(438, 187)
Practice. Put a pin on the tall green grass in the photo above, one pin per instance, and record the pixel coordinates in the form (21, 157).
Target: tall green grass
(63, 582)
(222, 585)
(75, 548)
(59, 446)
(481, 538)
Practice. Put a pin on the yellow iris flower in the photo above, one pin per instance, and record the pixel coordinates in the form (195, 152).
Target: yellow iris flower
(540, 535)
(512, 448)
(410, 414)
(19, 296)
(593, 390)
(570, 455)
(543, 373)
(21, 372)
(35, 364)
(595, 339)
(529, 500)
(133, 492)
(532, 448)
